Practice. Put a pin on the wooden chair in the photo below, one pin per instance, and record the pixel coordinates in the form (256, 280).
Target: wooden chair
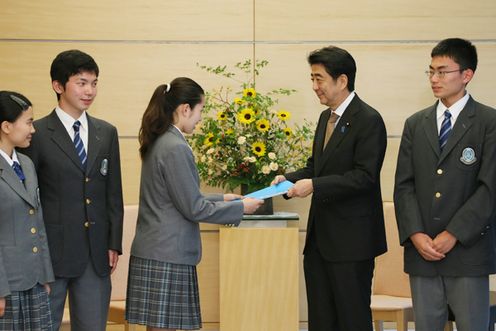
(117, 306)
(391, 296)
(492, 314)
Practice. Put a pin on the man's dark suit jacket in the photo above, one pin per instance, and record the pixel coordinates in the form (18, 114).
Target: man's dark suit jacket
(453, 190)
(346, 216)
(82, 209)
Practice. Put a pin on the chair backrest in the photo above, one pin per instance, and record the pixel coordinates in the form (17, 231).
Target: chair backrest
(389, 277)
(119, 277)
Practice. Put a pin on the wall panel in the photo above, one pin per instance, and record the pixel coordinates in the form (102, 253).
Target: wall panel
(139, 45)
(389, 168)
(131, 169)
(128, 74)
(366, 20)
(390, 77)
(171, 20)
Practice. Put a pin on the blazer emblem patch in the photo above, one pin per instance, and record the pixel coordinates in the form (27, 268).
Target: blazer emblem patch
(468, 156)
(104, 167)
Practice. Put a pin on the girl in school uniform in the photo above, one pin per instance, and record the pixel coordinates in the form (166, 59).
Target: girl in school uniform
(162, 286)
(25, 267)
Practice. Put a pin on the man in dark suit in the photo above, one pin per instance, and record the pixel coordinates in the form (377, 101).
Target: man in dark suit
(346, 222)
(77, 160)
(445, 192)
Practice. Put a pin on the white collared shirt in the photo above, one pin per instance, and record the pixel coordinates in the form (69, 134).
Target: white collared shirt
(455, 110)
(7, 158)
(342, 107)
(68, 122)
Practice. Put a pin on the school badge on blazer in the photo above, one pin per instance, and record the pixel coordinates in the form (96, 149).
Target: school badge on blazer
(468, 156)
(104, 167)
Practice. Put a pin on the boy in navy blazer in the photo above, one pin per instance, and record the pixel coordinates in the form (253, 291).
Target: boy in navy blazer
(445, 192)
(77, 160)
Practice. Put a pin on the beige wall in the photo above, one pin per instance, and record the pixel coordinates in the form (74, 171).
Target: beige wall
(139, 45)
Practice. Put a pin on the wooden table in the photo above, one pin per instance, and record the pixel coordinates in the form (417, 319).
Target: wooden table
(259, 274)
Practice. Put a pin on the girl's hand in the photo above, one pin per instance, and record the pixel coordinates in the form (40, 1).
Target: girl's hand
(47, 288)
(2, 307)
(250, 205)
(231, 197)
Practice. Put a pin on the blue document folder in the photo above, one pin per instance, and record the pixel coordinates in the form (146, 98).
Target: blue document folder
(271, 191)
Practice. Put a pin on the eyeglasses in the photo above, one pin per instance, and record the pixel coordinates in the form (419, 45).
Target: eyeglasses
(440, 73)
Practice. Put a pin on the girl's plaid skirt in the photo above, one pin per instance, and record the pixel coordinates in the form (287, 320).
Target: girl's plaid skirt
(27, 311)
(162, 295)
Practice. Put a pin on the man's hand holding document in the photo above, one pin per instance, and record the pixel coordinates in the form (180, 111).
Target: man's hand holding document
(300, 189)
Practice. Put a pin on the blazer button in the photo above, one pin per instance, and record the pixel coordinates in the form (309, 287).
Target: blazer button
(439, 171)
(31, 212)
(33, 230)
(86, 224)
(35, 249)
(87, 179)
(88, 201)
(438, 195)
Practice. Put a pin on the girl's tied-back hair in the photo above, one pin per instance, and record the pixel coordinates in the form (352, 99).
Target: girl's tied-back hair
(158, 116)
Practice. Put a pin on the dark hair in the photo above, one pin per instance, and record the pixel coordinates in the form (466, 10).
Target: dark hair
(12, 104)
(459, 50)
(158, 115)
(70, 63)
(337, 62)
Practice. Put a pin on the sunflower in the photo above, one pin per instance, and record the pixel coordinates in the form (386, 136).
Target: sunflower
(246, 115)
(288, 132)
(221, 116)
(229, 131)
(209, 139)
(263, 125)
(249, 92)
(258, 148)
(238, 101)
(283, 115)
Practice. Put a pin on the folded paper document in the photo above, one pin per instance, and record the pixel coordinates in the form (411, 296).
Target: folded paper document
(271, 191)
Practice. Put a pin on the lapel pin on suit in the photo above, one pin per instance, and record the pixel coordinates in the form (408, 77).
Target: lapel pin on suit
(345, 127)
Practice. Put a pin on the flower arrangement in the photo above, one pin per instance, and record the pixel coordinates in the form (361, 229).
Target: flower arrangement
(244, 139)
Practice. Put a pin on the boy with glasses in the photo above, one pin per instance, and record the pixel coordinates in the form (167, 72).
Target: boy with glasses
(445, 192)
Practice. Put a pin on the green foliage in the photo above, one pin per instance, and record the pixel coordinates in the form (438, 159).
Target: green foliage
(242, 138)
